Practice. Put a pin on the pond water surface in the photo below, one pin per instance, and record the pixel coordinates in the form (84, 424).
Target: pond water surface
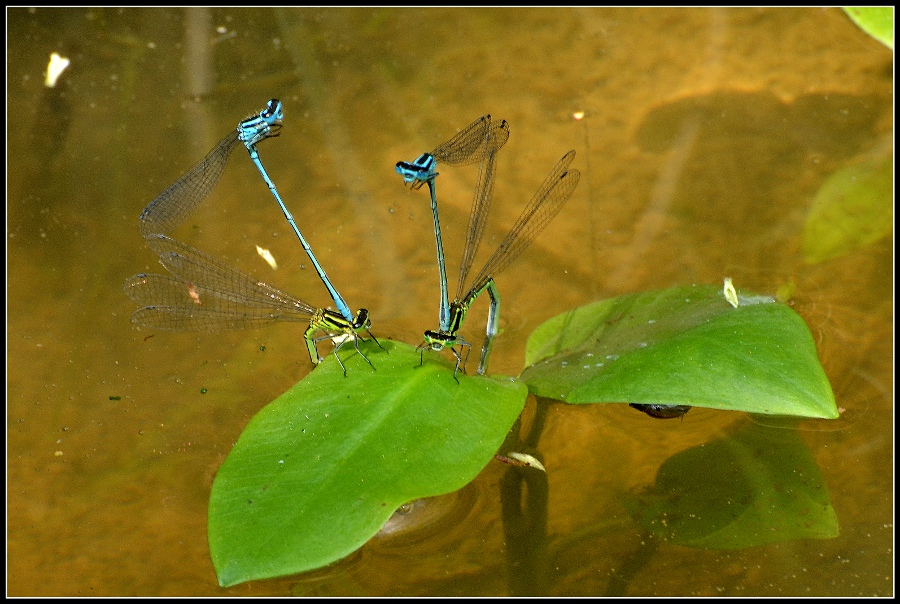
(704, 138)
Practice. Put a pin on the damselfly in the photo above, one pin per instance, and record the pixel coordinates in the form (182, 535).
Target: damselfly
(468, 146)
(173, 205)
(546, 203)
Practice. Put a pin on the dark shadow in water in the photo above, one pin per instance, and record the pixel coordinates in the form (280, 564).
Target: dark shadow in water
(524, 492)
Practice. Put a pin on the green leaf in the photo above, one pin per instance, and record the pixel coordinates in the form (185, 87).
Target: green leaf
(318, 471)
(854, 207)
(877, 21)
(755, 487)
(682, 346)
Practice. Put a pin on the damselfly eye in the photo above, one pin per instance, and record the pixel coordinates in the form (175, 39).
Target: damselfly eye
(272, 108)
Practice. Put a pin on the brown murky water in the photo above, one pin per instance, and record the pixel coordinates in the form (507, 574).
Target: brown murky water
(706, 134)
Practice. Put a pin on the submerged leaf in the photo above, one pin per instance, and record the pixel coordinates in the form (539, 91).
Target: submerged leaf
(853, 208)
(318, 471)
(754, 487)
(682, 346)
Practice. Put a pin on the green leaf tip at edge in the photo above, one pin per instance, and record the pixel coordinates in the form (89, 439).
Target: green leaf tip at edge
(877, 21)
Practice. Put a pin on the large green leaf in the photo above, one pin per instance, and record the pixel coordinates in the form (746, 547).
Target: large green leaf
(318, 471)
(755, 487)
(853, 207)
(682, 346)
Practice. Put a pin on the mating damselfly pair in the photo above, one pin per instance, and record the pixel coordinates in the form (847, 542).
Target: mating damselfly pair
(205, 294)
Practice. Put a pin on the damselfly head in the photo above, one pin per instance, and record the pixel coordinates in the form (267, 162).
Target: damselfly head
(436, 340)
(274, 111)
(362, 320)
(416, 173)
